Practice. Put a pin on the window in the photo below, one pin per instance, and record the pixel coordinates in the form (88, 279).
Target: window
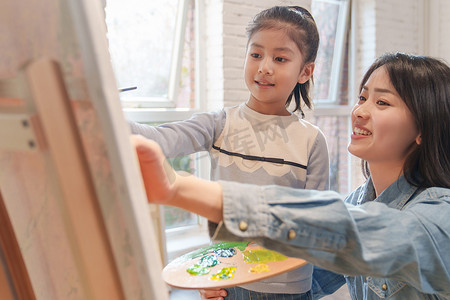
(167, 76)
(176, 218)
(331, 17)
(161, 72)
(153, 48)
(331, 92)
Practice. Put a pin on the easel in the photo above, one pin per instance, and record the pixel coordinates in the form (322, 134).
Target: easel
(74, 217)
(61, 145)
(14, 280)
(47, 128)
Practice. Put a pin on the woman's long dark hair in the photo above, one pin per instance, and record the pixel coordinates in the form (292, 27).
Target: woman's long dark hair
(301, 28)
(423, 83)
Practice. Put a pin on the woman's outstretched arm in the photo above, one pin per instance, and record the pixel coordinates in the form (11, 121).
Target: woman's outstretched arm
(318, 226)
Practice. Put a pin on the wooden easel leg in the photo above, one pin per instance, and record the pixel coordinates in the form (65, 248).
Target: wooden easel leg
(79, 203)
(14, 280)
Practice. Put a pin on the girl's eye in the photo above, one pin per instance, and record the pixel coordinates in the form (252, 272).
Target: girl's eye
(255, 55)
(361, 99)
(280, 59)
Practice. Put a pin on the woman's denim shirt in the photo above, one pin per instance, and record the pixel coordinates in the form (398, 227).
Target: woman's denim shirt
(395, 246)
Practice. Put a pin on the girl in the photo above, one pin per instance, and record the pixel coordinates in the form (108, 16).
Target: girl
(391, 235)
(261, 141)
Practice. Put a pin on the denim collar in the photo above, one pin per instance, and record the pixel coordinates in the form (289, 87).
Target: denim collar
(396, 195)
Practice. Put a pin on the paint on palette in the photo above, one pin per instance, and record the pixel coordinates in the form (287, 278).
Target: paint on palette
(202, 268)
(198, 270)
(228, 252)
(262, 256)
(260, 268)
(209, 261)
(209, 249)
(224, 274)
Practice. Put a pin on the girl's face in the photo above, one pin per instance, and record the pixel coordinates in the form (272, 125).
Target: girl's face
(383, 127)
(273, 66)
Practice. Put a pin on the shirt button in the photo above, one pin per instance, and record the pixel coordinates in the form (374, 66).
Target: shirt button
(243, 226)
(292, 234)
(384, 286)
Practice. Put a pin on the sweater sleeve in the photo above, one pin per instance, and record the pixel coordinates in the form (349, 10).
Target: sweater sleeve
(318, 172)
(184, 137)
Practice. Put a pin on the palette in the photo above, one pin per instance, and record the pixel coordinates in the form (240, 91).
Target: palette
(227, 264)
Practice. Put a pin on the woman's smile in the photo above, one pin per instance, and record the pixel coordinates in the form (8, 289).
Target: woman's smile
(359, 131)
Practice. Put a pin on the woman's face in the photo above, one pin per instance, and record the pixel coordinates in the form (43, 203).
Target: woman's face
(383, 127)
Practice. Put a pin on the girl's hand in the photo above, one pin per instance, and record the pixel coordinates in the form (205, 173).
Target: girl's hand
(216, 294)
(157, 174)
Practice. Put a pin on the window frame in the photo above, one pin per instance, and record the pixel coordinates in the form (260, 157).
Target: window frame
(331, 106)
(169, 102)
(183, 239)
(151, 109)
(338, 55)
(148, 110)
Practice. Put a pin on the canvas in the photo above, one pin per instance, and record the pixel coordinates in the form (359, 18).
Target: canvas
(80, 238)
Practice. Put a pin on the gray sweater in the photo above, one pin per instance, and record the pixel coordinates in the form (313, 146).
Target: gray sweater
(248, 147)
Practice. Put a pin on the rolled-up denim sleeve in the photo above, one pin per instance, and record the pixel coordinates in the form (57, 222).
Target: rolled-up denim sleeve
(273, 213)
(371, 239)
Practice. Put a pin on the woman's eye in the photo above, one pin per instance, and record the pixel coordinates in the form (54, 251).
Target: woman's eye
(361, 99)
(381, 102)
(255, 55)
(280, 59)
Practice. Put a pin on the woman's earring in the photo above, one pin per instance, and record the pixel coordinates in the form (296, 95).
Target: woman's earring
(419, 140)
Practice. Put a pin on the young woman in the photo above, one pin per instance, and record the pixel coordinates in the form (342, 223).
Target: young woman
(391, 236)
(261, 141)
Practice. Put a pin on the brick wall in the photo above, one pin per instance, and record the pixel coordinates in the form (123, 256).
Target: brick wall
(416, 26)
(214, 54)
(440, 14)
(226, 41)
(386, 26)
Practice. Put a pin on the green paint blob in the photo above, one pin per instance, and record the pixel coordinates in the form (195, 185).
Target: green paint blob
(262, 256)
(225, 252)
(208, 261)
(198, 270)
(208, 249)
(224, 274)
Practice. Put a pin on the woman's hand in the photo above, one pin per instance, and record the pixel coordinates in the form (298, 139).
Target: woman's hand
(215, 294)
(157, 174)
(164, 186)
